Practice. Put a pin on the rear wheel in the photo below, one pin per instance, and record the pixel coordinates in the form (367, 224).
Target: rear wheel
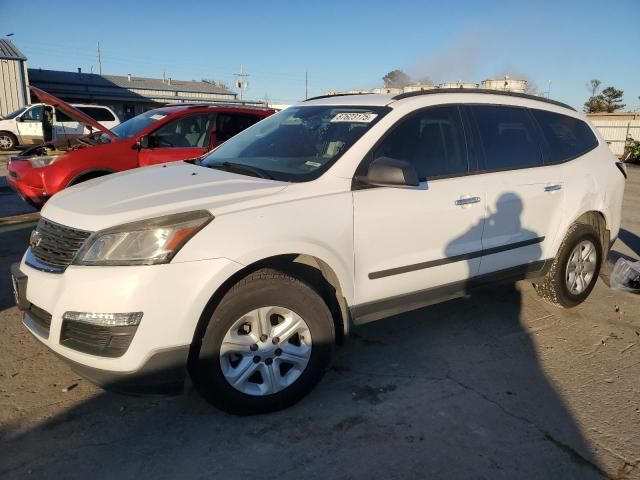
(267, 344)
(575, 269)
(8, 141)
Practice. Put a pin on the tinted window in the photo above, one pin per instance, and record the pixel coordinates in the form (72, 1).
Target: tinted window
(229, 125)
(62, 117)
(432, 140)
(567, 137)
(508, 137)
(98, 114)
(186, 132)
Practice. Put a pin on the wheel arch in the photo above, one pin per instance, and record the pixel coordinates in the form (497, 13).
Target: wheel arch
(89, 175)
(595, 218)
(309, 268)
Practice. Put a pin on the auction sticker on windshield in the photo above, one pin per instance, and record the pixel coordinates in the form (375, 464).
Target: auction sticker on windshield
(354, 117)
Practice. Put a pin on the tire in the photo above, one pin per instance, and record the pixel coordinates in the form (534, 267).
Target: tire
(555, 285)
(8, 141)
(265, 291)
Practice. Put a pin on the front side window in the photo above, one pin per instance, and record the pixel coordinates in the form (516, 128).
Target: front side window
(191, 131)
(508, 137)
(567, 137)
(299, 143)
(33, 114)
(137, 124)
(432, 140)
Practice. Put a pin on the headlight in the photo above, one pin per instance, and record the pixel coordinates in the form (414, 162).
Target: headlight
(43, 161)
(147, 242)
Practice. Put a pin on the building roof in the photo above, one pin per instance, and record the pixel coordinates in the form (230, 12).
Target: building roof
(8, 51)
(38, 75)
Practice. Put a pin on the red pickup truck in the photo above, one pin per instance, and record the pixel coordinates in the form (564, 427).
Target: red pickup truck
(165, 134)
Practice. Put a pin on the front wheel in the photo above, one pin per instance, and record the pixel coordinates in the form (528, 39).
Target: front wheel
(8, 141)
(574, 271)
(267, 344)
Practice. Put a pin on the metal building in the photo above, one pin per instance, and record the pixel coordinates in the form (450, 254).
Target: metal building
(14, 85)
(127, 95)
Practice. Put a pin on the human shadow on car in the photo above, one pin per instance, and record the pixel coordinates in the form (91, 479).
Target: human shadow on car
(454, 390)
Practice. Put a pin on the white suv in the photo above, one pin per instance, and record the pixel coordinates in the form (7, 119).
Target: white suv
(246, 266)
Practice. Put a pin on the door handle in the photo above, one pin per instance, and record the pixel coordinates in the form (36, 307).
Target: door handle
(467, 200)
(552, 188)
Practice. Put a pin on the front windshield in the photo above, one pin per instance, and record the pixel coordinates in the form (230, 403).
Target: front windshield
(136, 124)
(299, 143)
(14, 114)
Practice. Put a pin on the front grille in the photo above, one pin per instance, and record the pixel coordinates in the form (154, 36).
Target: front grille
(96, 339)
(38, 319)
(55, 245)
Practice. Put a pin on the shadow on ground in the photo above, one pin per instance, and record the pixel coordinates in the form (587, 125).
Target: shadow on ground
(451, 391)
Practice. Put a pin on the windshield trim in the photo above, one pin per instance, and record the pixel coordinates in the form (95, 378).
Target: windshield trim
(381, 112)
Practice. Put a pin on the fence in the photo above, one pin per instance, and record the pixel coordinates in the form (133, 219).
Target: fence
(615, 132)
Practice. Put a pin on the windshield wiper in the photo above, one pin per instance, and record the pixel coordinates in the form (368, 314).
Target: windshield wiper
(240, 167)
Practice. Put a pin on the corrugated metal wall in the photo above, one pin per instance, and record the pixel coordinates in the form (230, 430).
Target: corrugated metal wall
(13, 86)
(615, 132)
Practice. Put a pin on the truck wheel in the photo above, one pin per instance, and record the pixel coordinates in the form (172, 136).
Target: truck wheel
(574, 271)
(8, 141)
(267, 344)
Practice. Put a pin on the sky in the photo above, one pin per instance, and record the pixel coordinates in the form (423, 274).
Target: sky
(339, 44)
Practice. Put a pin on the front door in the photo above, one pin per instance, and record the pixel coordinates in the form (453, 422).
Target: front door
(414, 239)
(29, 125)
(181, 139)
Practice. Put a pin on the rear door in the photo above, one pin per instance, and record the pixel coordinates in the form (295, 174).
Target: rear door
(66, 128)
(523, 196)
(181, 139)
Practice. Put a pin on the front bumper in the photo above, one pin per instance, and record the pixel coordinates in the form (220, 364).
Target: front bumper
(172, 298)
(32, 195)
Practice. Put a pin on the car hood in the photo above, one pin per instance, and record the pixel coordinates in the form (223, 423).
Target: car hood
(152, 192)
(72, 112)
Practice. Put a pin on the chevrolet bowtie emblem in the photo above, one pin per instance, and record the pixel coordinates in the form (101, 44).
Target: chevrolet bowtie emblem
(35, 239)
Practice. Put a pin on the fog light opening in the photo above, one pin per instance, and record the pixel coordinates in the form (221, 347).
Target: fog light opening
(105, 319)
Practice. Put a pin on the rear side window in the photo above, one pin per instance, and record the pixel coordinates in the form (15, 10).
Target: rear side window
(62, 117)
(432, 140)
(567, 137)
(508, 137)
(98, 114)
(230, 124)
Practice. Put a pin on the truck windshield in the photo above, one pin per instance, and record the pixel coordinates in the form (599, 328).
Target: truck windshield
(298, 144)
(11, 115)
(136, 124)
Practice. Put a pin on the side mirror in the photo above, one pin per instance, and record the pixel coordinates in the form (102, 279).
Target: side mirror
(143, 142)
(389, 172)
(19, 119)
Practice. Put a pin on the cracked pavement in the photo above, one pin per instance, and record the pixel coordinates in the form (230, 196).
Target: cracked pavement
(498, 385)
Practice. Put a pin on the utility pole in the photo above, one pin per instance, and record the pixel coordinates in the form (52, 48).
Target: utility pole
(241, 83)
(99, 59)
(549, 90)
(306, 85)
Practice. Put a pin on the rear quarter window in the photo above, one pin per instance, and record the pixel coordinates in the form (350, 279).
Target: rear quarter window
(566, 137)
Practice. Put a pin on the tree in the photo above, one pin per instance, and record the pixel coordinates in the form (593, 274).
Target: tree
(608, 101)
(396, 78)
(612, 99)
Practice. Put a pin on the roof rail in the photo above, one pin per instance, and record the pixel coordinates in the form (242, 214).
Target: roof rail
(336, 95)
(483, 91)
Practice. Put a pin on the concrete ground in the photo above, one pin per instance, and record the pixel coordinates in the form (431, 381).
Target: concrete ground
(499, 385)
